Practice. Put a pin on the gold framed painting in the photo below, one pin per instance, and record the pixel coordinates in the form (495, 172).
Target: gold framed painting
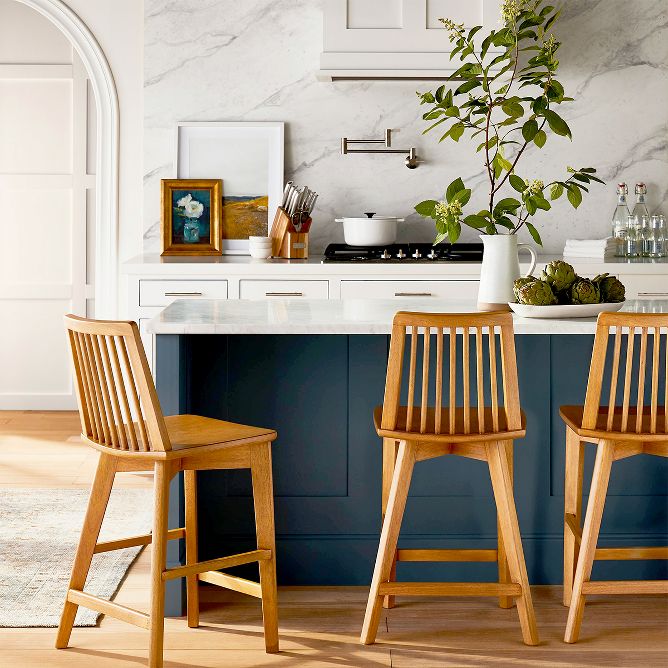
(191, 211)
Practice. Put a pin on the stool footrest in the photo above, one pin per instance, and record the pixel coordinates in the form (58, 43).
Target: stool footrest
(625, 587)
(136, 541)
(108, 608)
(449, 589)
(232, 582)
(447, 555)
(630, 553)
(215, 564)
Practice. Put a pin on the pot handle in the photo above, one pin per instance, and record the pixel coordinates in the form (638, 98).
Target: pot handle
(532, 252)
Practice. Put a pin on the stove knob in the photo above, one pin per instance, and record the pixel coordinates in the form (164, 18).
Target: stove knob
(385, 255)
(433, 255)
(401, 255)
(417, 255)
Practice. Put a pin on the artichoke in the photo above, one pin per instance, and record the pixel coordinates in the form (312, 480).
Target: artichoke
(612, 289)
(585, 291)
(559, 274)
(536, 293)
(520, 283)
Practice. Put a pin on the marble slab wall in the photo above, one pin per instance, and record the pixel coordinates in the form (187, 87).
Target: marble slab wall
(256, 60)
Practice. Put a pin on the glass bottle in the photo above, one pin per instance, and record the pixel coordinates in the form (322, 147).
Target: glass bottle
(633, 237)
(656, 244)
(620, 219)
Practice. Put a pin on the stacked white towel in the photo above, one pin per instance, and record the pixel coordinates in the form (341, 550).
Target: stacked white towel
(590, 248)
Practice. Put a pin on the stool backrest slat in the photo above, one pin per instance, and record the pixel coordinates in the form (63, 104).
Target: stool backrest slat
(465, 414)
(118, 404)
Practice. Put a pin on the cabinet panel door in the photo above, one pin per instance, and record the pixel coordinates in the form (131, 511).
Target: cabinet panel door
(162, 293)
(646, 287)
(402, 289)
(249, 289)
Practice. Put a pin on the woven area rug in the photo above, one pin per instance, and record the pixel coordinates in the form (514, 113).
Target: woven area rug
(39, 532)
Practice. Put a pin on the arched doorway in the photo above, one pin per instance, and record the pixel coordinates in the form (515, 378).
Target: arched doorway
(104, 88)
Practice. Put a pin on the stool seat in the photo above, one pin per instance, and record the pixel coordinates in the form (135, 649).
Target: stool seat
(476, 434)
(195, 431)
(573, 417)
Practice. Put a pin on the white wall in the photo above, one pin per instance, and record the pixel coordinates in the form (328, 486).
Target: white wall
(118, 26)
(256, 60)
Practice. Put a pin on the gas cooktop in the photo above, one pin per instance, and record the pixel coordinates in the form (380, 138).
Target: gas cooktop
(408, 253)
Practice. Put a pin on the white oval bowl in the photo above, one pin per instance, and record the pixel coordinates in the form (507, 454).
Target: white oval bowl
(564, 310)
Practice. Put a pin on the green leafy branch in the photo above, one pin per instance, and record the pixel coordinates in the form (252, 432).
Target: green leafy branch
(510, 108)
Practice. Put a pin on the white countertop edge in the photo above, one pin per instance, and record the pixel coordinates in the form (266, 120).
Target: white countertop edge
(332, 316)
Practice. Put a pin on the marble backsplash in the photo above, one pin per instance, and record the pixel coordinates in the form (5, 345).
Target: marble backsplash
(256, 60)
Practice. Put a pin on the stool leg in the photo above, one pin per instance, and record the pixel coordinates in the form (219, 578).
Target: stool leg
(389, 460)
(396, 505)
(504, 572)
(158, 564)
(263, 498)
(572, 506)
(507, 514)
(192, 586)
(599, 487)
(97, 505)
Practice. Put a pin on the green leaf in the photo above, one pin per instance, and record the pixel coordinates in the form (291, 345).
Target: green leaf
(512, 109)
(454, 231)
(507, 204)
(574, 195)
(463, 196)
(557, 124)
(531, 206)
(517, 183)
(457, 130)
(426, 208)
(455, 187)
(540, 139)
(556, 191)
(440, 238)
(467, 86)
(478, 222)
(534, 233)
(542, 203)
(530, 130)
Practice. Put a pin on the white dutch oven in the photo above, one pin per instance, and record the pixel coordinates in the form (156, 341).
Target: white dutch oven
(370, 231)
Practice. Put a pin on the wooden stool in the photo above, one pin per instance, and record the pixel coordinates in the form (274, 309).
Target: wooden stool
(618, 432)
(121, 417)
(477, 432)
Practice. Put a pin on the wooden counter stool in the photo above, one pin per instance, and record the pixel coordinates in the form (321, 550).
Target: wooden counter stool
(618, 432)
(121, 417)
(472, 430)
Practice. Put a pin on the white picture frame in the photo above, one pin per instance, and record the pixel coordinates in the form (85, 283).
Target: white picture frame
(247, 156)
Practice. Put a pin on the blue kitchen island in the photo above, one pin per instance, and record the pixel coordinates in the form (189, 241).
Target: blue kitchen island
(314, 370)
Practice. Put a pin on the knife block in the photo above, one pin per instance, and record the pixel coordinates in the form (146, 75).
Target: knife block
(286, 242)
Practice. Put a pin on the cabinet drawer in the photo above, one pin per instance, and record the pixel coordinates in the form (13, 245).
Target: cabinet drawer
(646, 287)
(162, 293)
(402, 289)
(249, 289)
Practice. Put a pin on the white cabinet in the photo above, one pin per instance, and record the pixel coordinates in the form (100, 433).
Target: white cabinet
(402, 289)
(163, 293)
(375, 39)
(249, 289)
(646, 286)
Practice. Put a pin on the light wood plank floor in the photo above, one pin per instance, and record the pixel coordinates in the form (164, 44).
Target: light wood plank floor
(319, 626)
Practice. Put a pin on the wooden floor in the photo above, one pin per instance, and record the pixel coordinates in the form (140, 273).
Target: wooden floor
(319, 626)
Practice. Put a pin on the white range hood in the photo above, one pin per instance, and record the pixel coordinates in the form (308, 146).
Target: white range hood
(395, 39)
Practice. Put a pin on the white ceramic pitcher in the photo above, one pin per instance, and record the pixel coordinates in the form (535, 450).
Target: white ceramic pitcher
(500, 267)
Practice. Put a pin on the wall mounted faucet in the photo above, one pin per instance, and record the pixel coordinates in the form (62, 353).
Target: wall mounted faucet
(411, 156)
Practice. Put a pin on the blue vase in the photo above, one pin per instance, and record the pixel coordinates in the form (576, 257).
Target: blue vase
(191, 231)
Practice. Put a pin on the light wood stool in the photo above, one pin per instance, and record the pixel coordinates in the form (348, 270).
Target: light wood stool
(618, 432)
(426, 431)
(121, 417)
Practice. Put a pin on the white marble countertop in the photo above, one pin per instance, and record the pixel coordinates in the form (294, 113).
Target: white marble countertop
(243, 265)
(339, 316)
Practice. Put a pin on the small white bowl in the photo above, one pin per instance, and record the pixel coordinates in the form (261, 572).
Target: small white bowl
(260, 253)
(259, 241)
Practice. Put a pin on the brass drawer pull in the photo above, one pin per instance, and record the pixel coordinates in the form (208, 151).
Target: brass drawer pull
(183, 294)
(653, 294)
(413, 294)
(283, 294)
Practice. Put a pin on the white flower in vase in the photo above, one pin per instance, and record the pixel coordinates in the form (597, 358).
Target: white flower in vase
(193, 209)
(184, 200)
